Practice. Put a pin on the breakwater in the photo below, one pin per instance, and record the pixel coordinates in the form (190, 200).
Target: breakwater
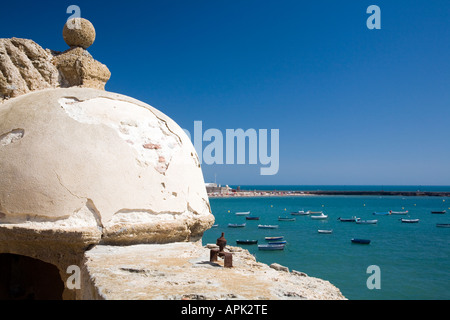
(377, 193)
(280, 193)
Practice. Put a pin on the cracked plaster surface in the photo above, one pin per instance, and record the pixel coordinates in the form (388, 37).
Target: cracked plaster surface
(139, 127)
(86, 157)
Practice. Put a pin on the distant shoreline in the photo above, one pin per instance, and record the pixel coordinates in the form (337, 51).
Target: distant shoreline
(284, 193)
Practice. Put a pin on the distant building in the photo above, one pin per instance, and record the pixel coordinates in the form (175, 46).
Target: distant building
(213, 188)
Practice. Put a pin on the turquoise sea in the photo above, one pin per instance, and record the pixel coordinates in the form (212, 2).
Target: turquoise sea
(414, 259)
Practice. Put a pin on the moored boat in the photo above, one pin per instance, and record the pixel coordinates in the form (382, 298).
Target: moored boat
(251, 218)
(443, 225)
(246, 241)
(319, 217)
(285, 219)
(438, 212)
(359, 221)
(398, 212)
(325, 231)
(236, 225)
(360, 241)
(382, 213)
(274, 238)
(300, 213)
(267, 226)
(278, 242)
(243, 213)
(353, 219)
(271, 247)
(410, 220)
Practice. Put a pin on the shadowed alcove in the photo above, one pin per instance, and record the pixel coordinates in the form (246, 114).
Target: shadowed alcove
(25, 278)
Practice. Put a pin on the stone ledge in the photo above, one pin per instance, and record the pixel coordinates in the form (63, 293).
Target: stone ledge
(182, 271)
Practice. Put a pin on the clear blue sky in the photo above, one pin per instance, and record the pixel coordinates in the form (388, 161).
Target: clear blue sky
(353, 105)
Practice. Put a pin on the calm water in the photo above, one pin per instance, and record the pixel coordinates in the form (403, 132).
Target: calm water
(414, 259)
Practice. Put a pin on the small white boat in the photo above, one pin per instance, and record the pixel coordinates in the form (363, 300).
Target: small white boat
(271, 247)
(359, 221)
(410, 220)
(267, 226)
(325, 231)
(235, 225)
(320, 217)
(300, 213)
(243, 213)
(285, 219)
(274, 238)
(399, 212)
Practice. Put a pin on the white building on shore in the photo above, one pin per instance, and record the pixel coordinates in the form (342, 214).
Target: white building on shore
(214, 188)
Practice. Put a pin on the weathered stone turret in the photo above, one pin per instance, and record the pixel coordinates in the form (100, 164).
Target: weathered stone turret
(81, 166)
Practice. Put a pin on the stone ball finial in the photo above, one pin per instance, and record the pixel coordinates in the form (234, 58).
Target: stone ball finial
(79, 32)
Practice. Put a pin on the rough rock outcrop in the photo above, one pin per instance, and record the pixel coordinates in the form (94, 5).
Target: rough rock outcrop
(77, 68)
(25, 66)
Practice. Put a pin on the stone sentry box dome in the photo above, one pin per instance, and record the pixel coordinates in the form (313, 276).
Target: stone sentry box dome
(82, 166)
